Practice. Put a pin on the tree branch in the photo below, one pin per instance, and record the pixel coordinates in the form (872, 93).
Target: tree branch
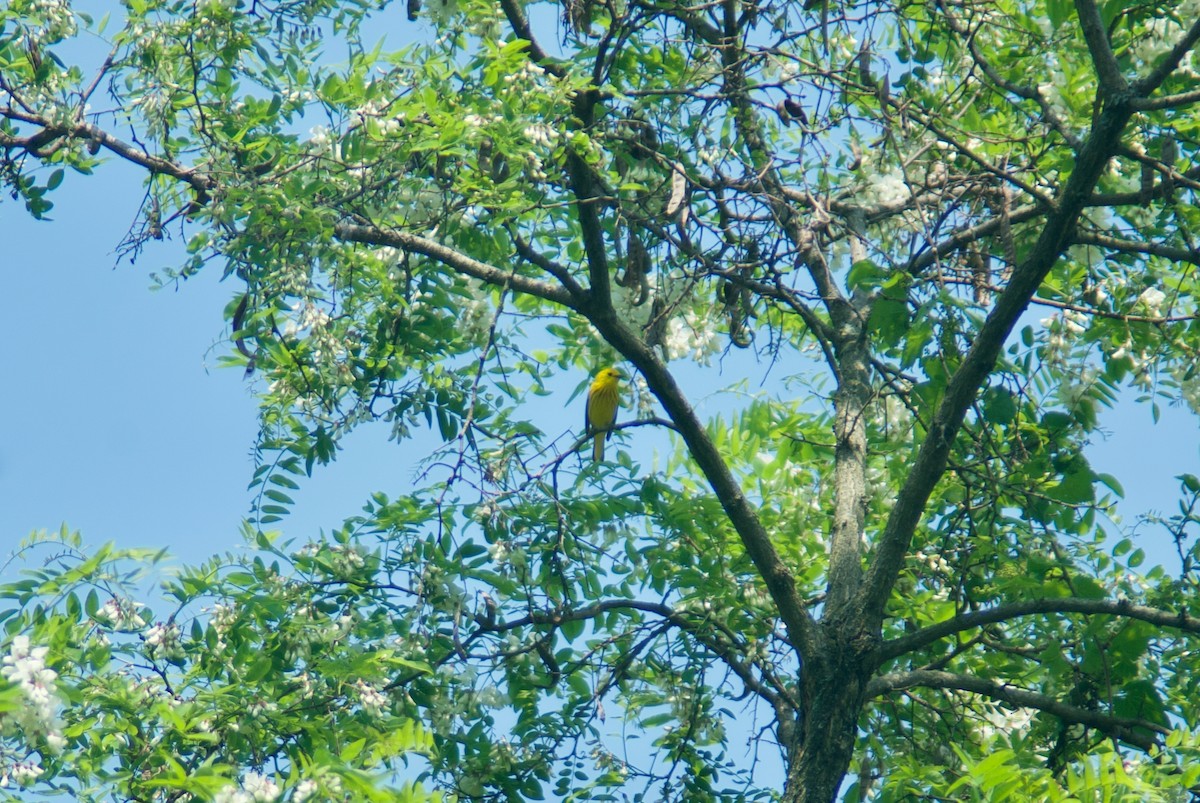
(684, 620)
(1001, 613)
(1094, 33)
(1167, 101)
(199, 182)
(1152, 81)
(778, 578)
(1173, 253)
(1126, 729)
(411, 243)
(520, 25)
(1028, 274)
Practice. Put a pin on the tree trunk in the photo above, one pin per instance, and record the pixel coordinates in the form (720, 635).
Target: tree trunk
(833, 685)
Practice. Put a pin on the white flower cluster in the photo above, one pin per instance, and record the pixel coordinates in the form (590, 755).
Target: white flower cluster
(307, 317)
(1052, 93)
(163, 641)
(22, 773)
(482, 121)
(475, 319)
(54, 19)
(1060, 335)
(541, 134)
(1162, 34)
(997, 720)
(309, 787)
(1189, 387)
(255, 787)
(888, 188)
(347, 559)
(304, 790)
(691, 336)
(644, 398)
(120, 614)
(1152, 300)
(320, 138)
(500, 552)
(934, 560)
(25, 667)
(1076, 388)
(373, 702)
(223, 617)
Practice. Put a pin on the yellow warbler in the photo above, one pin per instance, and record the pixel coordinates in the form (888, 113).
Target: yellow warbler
(601, 412)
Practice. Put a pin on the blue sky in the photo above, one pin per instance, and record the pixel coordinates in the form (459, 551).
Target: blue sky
(119, 421)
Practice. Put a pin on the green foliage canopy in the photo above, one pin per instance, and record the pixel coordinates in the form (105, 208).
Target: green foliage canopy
(894, 559)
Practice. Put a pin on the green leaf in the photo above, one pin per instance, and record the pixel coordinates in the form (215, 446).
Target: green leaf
(865, 275)
(999, 406)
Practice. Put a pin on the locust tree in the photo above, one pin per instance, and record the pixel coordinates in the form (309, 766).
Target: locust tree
(903, 255)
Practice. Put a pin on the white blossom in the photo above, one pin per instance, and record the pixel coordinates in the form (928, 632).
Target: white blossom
(230, 793)
(260, 787)
(541, 134)
(370, 697)
(24, 773)
(887, 189)
(691, 336)
(25, 668)
(1152, 299)
(304, 790)
(163, 640)
(120, 615)
(499, 551)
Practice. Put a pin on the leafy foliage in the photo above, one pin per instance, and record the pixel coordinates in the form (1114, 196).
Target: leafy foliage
(892, 558)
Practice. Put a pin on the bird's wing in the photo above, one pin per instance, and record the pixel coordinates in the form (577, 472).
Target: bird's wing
(587, 411)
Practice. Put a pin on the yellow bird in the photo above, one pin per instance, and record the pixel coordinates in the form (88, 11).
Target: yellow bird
(603, 398)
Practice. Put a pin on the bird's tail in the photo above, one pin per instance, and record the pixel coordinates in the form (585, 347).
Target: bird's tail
(598, 447)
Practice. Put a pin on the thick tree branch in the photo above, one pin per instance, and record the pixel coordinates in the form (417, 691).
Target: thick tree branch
(1002, 613)
(742, 515)
(847, 317)
(963, 237)
(1136, 732)
(560, 272)
(1094, 33)
(963, 387)
(1167, 101)
(520, 25)
(411, 243)
(1173, 253)
(598, 309)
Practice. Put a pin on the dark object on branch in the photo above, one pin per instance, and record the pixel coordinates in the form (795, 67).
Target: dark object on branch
(1167, 153)
(791, 109)
(981, 276)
